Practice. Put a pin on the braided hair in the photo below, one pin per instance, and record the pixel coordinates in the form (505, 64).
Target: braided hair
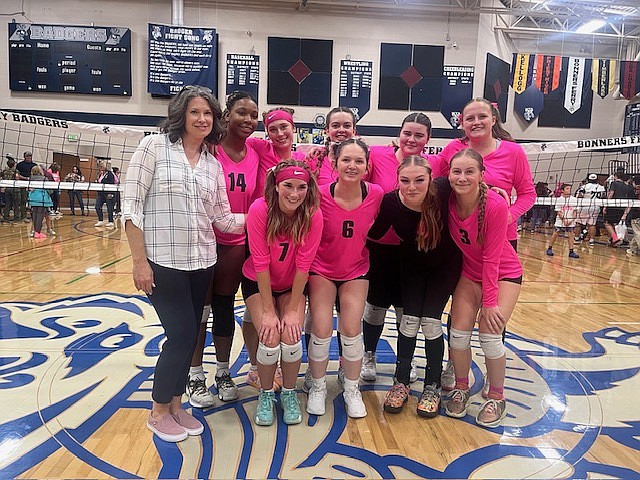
(484, 188)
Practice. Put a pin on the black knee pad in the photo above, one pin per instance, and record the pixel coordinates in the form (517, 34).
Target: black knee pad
(224, 321)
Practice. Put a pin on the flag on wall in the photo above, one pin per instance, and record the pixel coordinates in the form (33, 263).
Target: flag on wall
(496, 83)
(529, 103)
(522, 69)
(603, 76)
(548, 69)
(629, 78)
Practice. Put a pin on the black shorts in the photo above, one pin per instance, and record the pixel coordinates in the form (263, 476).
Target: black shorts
(339, 283)
(385, 287)
(613, 215)
(517, 280)
(250, 287)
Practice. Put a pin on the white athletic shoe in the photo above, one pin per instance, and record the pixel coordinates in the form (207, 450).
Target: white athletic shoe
(448, 377)
(109, 225)
(198, 393)
(101, 223)
(353, 403)
(413, 374)
(368, 371)
(308, 381)
(317, 398)
(227, 389)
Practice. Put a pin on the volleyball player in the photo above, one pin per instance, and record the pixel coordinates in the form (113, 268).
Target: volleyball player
(349, 207)
(239, 165)
(283, 230)
(488, 288)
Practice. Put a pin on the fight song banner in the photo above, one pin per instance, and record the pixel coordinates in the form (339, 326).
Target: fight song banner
(522, 69)
(629, 78)
(180, 56)
(603, 75)
(548, 69)
(576, 80)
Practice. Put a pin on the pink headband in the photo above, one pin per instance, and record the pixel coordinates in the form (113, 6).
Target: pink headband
(278, 115)
(290, 172)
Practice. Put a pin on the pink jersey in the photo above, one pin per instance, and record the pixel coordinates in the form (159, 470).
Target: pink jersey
(383, 166)
(506, 167)
(326, 174)
(268, 158)
(495, 259)
(240, 179)
(282, 258)
(342, 254)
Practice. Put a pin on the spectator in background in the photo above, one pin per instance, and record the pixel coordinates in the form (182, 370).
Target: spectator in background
(634, 219)
(116, 208)
(53, 173)
(11, 194)
(618, 189)
(24, 173)
(566, 212)
(107, 197)
(40, 201)
(588, 213)
(75, 176)
(540, 213)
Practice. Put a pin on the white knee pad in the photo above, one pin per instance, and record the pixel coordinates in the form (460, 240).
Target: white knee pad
(352, 347)
(318, 349)
(246, 317)
(409, 326)
(291, 353)
(374, 315)
(460, 340)
(431, 328)
(267, 355)
(492, 345)
(206, 311)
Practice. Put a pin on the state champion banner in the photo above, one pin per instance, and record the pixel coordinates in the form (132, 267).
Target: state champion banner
(180, 56)
(355, 86)
(243, 73)
(603, 76)
(522, 71)
(457, 89)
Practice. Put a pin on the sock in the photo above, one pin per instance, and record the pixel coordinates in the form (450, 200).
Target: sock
(320, 381)
(571, 250)
(197, 372)
(434, 351)
(350, 384)
(462, 383)
(284, 390)
(222, 368)
(496, 393)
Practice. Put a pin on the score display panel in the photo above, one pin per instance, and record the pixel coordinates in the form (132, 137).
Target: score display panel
(70, 59)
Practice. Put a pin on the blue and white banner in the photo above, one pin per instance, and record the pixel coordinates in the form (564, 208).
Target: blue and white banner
(355, 86)
(180, 56)
(457, 90)
(243, 73)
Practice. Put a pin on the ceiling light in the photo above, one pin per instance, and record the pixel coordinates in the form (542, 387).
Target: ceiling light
(591, 26)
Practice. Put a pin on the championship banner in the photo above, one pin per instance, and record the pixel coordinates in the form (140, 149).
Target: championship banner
(180, 56)
(457, 89)
(548, 69)
(243, 73)
(522, 71)
(355, 86)
(575, 84)
(629, 78)
(603, 76)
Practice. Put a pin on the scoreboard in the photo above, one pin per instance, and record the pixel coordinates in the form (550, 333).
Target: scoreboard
(70, 59)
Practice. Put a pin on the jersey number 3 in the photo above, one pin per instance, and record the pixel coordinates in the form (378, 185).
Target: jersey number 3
(464, 237)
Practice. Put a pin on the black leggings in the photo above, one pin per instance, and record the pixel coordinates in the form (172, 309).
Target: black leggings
(226, 280)
(37, 217)
(178, 298)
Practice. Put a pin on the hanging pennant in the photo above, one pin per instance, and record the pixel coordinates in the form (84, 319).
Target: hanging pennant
(629, 78)
(522, 71)
(548, 68)
(574, 85)
(529, 103)
(603, 76)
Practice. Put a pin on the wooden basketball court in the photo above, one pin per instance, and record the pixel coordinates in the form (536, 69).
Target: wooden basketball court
(78, 345)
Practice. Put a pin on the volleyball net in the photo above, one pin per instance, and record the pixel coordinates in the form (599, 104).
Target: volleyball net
(84, 145)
